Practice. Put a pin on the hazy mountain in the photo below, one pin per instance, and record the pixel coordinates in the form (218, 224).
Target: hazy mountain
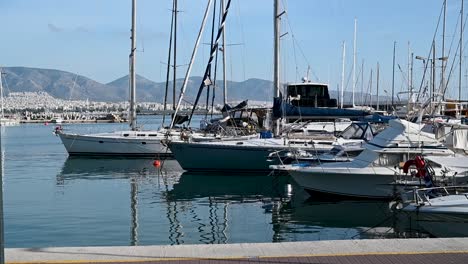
(57, 83)
(66, 85)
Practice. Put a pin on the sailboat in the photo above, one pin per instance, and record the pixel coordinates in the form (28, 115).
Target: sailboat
(133, 142)
(249, 155)
(5, 121)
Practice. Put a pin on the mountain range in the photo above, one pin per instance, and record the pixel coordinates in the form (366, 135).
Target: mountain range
(71, 86)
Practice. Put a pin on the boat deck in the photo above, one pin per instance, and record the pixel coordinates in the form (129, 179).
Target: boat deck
(401, 251)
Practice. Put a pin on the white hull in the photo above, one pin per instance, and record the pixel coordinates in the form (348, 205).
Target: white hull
(116, 144)
(246, 155)
(377, 183)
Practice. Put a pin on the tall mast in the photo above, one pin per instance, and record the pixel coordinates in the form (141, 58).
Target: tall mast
(362, 83)
(393, 75)
(343, 74)
(377, 86)
(224, 59)
(442, 88)
(433, 72)
(370, 87)
(168, 70)
(192, 59)
(175, 58)
(408, 69)
(461, 54)
(354, 60)
(1, 94)
(132, 110)
(276, 66)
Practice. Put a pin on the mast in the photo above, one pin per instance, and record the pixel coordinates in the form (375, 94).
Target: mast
(377, 84)
(132, 110)
(343, 74)
(461, 55)
(1, 94)
(393, 75)
(168, 70)
(224, 58)
(276, 55)
(354, 60)
(189, 69)
(362, 83)
(370, 88)
(206, 76)
(175, 58)
(433, 72)
(442, 88)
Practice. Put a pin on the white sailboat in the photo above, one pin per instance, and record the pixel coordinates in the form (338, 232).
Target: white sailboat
(375, 172)
(133, 142)
(121, 143)
(5, 121)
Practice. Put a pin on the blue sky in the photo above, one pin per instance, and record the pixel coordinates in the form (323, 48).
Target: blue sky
(91, 37)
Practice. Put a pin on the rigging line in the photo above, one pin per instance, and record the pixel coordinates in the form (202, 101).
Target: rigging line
(453, 63)
(444, 85)
(429, 54)
(216, 61)
(296, 42)
(209, 73)
(244, 53)
(168, 64)
(213, 51)
(194, 52)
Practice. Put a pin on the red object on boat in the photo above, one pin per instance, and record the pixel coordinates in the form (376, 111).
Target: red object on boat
(157, 163)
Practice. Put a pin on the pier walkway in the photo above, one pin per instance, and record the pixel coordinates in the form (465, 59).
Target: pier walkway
(382, 251)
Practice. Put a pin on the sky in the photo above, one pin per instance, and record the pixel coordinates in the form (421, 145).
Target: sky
(91, 37)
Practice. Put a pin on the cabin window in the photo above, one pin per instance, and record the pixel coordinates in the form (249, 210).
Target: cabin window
(100, 141)
(125, 135)
(387, 159)
(153, 135)
(144, 143)
(141, 135)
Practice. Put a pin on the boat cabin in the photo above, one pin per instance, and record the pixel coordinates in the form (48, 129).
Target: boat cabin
(309, 94)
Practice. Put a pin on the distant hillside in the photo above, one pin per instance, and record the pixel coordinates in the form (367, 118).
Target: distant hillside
(66, 85)
(57, 83)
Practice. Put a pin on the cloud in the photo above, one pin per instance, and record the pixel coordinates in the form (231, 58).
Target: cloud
(54, 28)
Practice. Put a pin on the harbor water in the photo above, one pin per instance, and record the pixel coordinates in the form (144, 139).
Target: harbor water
(51, 199)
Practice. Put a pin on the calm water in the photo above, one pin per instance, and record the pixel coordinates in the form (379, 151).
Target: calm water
(53, 200)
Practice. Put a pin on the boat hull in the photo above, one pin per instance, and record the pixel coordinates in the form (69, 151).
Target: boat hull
(347, 183)
(219, 157)
(438, 224)
(94, 145)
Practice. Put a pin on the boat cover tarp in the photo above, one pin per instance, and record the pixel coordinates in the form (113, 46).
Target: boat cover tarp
(284, 109)
(458, 164)
(460, 139)
(228, 108)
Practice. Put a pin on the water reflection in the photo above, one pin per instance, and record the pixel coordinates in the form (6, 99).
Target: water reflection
(349, 219)
(135, 170)
(211, 202)
(171, 207)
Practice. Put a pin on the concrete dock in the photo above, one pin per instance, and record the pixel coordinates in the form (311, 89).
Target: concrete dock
(433, 250)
